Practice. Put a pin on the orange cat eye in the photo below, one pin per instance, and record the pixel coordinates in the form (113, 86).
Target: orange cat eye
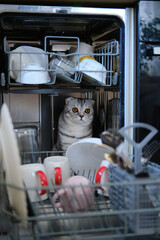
(87, 110)
(75, 109)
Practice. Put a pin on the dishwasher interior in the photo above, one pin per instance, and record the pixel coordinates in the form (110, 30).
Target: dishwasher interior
(35, 107)
(59, 35)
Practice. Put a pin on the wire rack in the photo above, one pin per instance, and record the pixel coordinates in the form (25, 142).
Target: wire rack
(131, 210)
(59, 66)
(139, 196)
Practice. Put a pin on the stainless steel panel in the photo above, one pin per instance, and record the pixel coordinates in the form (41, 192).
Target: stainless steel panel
(24, 108)
(119, 12)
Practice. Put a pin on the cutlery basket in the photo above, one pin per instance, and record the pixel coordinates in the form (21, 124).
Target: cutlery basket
(137, 198)
(137, 195)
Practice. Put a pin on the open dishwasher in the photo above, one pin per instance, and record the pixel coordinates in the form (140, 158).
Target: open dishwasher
(32, 106)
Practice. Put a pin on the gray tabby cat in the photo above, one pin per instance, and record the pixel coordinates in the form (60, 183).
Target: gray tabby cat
(75, 122)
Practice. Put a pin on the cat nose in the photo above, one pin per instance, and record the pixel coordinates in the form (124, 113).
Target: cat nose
(81, 116)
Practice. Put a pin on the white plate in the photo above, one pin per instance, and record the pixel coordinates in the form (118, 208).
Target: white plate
(11, 163)
(85, 156)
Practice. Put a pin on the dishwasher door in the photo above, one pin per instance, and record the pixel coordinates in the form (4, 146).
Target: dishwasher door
(148, 101)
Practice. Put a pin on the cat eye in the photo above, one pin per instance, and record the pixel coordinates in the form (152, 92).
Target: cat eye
(75, 109)
(87, 110)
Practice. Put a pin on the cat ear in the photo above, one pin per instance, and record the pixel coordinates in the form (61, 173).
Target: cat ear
(91, 101)
(67, 100)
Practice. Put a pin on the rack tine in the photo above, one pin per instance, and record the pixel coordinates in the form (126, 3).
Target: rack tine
(151, 149)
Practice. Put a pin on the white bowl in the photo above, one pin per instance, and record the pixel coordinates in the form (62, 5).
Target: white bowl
(33, 74)
(29, 65)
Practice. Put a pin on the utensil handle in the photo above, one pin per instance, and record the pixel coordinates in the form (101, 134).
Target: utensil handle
(99, 174)
(138, 146)
(44, 181)
(58, 176)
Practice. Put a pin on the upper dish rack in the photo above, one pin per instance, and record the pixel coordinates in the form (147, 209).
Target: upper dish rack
(63, 59)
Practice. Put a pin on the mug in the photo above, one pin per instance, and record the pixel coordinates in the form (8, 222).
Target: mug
(101, 178)
(83, 50)
(57, 169)
(77, 195)
(34, 176)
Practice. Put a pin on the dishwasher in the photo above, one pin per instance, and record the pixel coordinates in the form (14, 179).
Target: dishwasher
(60, 38)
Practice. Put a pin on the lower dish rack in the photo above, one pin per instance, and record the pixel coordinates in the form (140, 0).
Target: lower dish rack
(103, 221)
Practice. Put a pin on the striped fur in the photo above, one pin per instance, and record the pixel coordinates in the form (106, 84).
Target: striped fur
(73, 126)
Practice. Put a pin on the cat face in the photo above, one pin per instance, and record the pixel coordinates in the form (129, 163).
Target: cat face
(79, 110)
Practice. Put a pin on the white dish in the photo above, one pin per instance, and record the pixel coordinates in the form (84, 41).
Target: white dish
(33, 73)
(83, 49)
(11, 163)
(29, 65)
(85, 156)
(92, 69)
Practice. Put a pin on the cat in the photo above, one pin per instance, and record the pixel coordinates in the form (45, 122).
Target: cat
(75, 122)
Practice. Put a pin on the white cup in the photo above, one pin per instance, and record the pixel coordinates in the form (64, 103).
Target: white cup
(57, 169)
(101, 178)
(34, 177)
(77, 195)
(82, 50)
